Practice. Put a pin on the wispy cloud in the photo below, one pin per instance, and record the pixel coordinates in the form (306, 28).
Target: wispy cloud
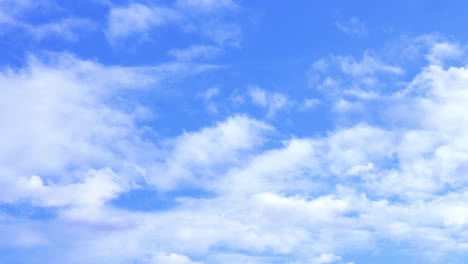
(208, 5)
(190, 16)
(195, 52)
(353, 27)
(271, 101)
(14, 14)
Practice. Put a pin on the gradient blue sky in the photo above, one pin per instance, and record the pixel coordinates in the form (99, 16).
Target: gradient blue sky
(204, 131)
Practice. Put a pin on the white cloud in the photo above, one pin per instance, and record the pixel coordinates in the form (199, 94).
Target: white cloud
(172, 259)
(140, 20)
(327, 258)
(195, 158)
(62, 127)
(209, 93)
(208, 96)
(258, 96)
(399, 180)
(13, 16)
(195, 52)
(367, 66)
(55, 117)
(310, 103)
(207, 5)
(66, 28)
(353, 27)
(272, 101)
(97, 187)
(350, 77)
(137, 18)
(442, 51)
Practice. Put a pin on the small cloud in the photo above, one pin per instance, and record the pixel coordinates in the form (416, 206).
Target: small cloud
(352, 27)
(442, 51)
(140, 20)
(207, 96)
(368, 65)
(237, 99)
(209, 93)
(327, 258)
(207, 5)
(258, 96)
(273, 101)
(137, 18)
(344, 105)
(195, 52)
(320, 65)
(65, 28)
(173, 259)
(310, 103)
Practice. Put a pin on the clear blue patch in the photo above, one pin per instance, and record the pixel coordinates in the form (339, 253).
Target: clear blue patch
(147, 199)
(26, 210)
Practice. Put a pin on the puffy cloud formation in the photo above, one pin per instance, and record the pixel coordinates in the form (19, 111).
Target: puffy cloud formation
(89, 174)
(310, 199)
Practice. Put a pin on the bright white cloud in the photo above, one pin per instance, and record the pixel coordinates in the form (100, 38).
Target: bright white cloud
(172, 259)
(442, 51)
(61, 130)
(96, 188)
(195, 158)
(327, 258)
(310, 199)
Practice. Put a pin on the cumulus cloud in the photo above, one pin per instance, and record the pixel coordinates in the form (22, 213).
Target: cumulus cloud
(442, 51)
(62, 129)
(397, 177)
(97, 187)
(195, 158)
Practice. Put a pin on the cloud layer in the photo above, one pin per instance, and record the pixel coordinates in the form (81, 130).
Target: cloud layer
(82, 150)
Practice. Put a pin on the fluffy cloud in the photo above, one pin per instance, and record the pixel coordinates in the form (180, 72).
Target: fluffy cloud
(398, 177)
(64, 133)
(192, 157)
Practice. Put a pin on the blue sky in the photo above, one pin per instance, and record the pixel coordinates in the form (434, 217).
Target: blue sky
(203, 131)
